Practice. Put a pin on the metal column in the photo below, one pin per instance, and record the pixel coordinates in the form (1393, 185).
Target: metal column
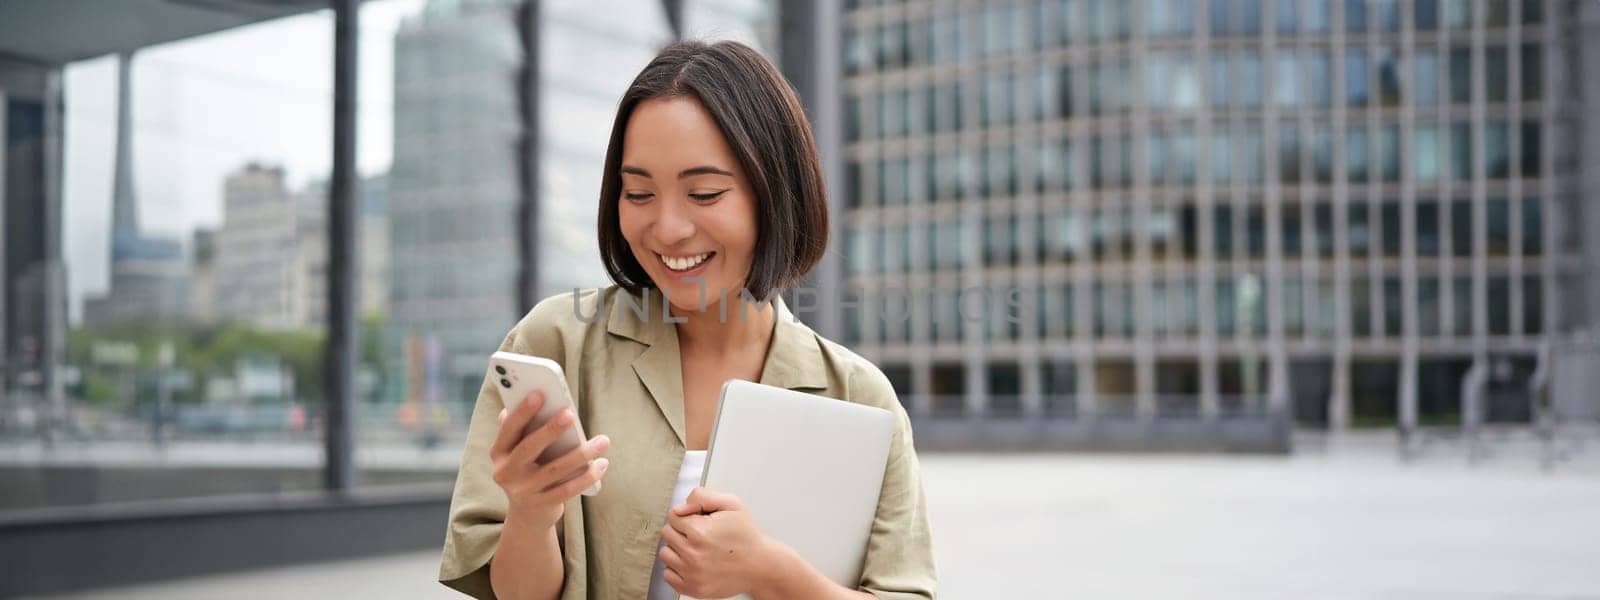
(339, 368)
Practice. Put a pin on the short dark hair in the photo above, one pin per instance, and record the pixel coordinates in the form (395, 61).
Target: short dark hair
(763, 122)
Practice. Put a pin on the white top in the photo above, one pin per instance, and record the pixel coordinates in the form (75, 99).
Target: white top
(694, 461)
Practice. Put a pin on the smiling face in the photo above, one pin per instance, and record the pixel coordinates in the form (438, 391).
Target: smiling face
(686, 209)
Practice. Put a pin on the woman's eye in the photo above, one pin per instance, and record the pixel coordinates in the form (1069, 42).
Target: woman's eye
(636, 196)
(708, 196)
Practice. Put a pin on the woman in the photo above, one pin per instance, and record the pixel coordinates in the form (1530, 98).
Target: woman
(711, 188)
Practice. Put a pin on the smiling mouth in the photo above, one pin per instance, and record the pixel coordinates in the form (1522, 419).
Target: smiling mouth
(685, 263)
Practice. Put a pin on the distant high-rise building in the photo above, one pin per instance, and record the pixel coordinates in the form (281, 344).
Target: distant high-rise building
(311, 250)
(258, 260)
(1333, 210)
(455, 189)
(148, 275)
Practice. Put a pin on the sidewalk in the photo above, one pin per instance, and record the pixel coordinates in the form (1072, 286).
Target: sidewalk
(1345, 519)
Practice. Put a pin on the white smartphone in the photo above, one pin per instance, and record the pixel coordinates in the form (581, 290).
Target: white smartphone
(516, 375)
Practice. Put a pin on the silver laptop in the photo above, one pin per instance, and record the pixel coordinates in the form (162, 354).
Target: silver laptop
(808, 469)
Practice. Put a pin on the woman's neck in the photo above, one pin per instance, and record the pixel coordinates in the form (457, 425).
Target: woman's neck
(720, 332)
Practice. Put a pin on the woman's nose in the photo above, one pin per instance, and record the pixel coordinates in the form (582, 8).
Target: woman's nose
(674, 224)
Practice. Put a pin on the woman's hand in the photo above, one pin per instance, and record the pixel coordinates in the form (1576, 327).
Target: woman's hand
(714, 548)
(538, 492)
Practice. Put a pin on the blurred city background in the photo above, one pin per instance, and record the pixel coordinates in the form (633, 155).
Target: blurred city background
(1337, 261)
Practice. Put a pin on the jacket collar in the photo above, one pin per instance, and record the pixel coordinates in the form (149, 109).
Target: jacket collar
(794, 358)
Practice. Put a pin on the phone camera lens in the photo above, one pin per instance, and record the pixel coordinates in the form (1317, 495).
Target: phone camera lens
(505, 382)
(499, 369)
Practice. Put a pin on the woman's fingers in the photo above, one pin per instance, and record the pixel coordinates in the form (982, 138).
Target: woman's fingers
(513, 421)
(670, 558)
(527, 451)
(572, 462)
(572, 487)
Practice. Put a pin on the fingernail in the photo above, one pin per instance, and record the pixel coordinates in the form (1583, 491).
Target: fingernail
(601, 443)
(603, 464)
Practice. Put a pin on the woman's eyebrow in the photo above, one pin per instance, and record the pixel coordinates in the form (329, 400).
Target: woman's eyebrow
(689, 172)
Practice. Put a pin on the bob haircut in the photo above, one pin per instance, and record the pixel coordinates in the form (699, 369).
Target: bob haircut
(764, 124)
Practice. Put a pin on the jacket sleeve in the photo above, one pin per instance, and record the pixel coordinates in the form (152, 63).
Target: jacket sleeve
(478, 505)
(899, 561)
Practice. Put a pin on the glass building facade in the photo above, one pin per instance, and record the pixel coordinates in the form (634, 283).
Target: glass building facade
(1201, 208)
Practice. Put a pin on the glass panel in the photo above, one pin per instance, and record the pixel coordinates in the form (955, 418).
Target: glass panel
(1390, 145)
(1461, 150)
(1461, 228)
(1499, 225)
(1360, 232)
(1217, 14)
(1355, 15)
(1532, 72)
(1285, 83)
(1388, 14)
(1426, 90)
(1463, 298)
(1499, 303)
(1248, 78)
(1360, 307)
(1288, 153)
(1427, 16)
(1497, 150)
(1532, 226)
(1322, 152)
(1222, 230)
(1356, 90)
(1461, 75)
(1355, 147)
(1250, 16)
(1393, 307)
(1320, 76)
(1286, 16)
(1532, 305)
(1498, 83)
(1531, 149)
(1391, 229)
(1428, 312)
(1458, 14)
(1253, 159)
(1426, 150)
(1389, 79)
(1319, 13)
(1428, 228)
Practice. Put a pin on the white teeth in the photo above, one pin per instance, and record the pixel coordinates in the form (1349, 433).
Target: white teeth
(684, 263)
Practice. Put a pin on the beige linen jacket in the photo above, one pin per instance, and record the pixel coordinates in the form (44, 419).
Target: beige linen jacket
(627, 383)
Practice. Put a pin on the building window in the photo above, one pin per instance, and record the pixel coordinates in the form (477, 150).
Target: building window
(1360, 232)
(1391, 228)
(1530, 148)
(1532, 72)
(1428, 228)
(1461, 151)
(1499, 306)
(1461, 75)
(1428, 306)
(1355, 153)
(1461, 228)
(1463, 305)
(1425, 148)
(1499, 225)
(1532, 227)
(1355, 15)
(1498, 83)
(1532, 305)
(1356, 90)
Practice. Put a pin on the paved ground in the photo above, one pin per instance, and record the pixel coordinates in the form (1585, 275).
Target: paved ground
(1343, 518)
